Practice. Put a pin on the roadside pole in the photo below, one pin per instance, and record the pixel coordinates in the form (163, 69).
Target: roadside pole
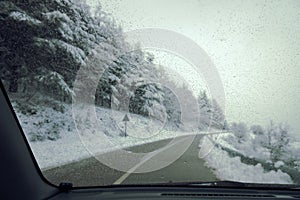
(126, 119)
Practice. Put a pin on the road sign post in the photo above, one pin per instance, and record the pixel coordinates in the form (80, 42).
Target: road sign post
(126, 119)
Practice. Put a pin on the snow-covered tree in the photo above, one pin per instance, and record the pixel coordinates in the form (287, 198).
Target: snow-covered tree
(205, 110)
(275, 138)
(240, 131)
(172, 106)
(218, 118)
(257, 129)
(148, 101)
(17, 28)
(42, 34)
(47, 38)
(226, 126)
(128, 84)
(278, 140)
(211, 114)
(189, 110)
(48, 41)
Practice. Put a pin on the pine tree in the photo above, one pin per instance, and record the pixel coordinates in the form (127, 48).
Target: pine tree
(54, 36)
(218, 118)
(48, 41)
(205, 110)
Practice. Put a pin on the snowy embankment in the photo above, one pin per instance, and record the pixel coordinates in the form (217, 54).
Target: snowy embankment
(232, 168)
(68, 144)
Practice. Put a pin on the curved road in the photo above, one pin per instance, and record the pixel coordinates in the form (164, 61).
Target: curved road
(91, 172)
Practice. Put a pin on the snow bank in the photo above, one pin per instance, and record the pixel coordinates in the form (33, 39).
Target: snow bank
(228, 168)
(248, 147)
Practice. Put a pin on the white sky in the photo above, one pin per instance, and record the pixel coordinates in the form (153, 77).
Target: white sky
(254, 44)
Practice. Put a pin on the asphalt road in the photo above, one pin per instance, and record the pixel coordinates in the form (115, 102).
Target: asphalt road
(91, 172)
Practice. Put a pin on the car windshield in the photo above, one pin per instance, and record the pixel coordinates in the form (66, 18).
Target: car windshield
(146, 91)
